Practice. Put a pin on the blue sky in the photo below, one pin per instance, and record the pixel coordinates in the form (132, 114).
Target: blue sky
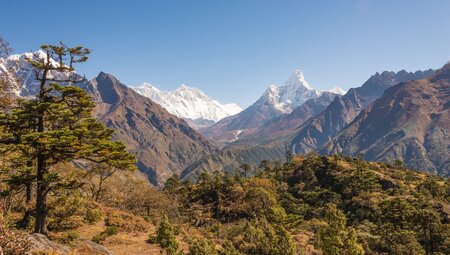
(233, 49)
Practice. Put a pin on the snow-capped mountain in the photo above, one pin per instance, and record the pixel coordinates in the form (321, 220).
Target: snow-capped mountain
(337, 90)
(189, 103)
(275, 102)
(25, 83)
(294, 93)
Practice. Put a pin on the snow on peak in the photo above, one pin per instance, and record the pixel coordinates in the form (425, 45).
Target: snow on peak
(295, 92)
(17, 64)
(189, 103)
(336, 90)
(297, 80)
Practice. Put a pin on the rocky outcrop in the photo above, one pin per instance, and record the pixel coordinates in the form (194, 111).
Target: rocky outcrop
(322, 128)
(163, 143)
(410, 122)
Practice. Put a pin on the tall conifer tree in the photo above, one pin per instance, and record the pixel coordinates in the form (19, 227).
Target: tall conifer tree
(57, 126)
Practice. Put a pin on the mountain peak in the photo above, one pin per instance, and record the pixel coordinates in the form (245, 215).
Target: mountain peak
(336, 90)
(186, 88)
(297, 79)
(102, 75)
(106, 86)
(189, 103)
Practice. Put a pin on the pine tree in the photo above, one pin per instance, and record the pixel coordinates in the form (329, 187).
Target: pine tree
(245, 169)
(335, 239)
(57, 126)
(228, 249)
(172, 184)
(165, 237)
(202, 247)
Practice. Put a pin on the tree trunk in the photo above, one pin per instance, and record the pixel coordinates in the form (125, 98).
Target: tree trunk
(26, 217)
(41, 200)
(42, 185)
(42, 188)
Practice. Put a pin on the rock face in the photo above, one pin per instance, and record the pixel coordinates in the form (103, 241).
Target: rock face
(41, 243)
(322, 128)
(163, 143)
(89, 247)
(280, 129)
(190, 104)
(275, 102)
(410, 122)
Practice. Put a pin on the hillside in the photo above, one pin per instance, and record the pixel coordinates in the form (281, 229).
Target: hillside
(282, 128)
(319, 130)
(276, 101)
(368, 207)
(163, 144)
(410, 122)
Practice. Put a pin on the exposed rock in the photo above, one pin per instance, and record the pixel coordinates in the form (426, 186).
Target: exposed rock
(410, 122)
(163, 143)
(321, 129)
(42, 243)
(89, 247)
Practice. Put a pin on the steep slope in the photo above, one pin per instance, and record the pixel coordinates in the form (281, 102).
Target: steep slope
(190, 104)
(275, 102)
(163, 143)
(281, 128)
(22, 74)
(322, 128)
(229, 159)
(410, 122)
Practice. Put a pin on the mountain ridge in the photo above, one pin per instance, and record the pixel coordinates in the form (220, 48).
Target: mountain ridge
(339, 113)
(189, 103)
(275, 102)
(163, 143)
(410, 122)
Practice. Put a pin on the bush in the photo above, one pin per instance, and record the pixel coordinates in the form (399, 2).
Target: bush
(166, 237)
(93, 215)
(152, 239)
(66, 212)
(70, 237)
(202, 247)
(109, 231)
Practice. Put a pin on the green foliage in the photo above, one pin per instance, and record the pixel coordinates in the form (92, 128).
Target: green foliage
(335, 238)
(202, 247)
(70, 237)
(55, 127)
(66, 212)
(109, 231)
(93, 215)
(228, 249)
(302, 198)
(165, 237)
(260, 237)
(172, 184)
(402, 242)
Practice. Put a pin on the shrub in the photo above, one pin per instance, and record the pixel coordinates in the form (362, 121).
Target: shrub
(70, 237)
(166, 237)
(93, 215)
(109, 231)
(202, 247)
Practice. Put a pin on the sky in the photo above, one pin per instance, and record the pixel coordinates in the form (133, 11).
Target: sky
(234, 49)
